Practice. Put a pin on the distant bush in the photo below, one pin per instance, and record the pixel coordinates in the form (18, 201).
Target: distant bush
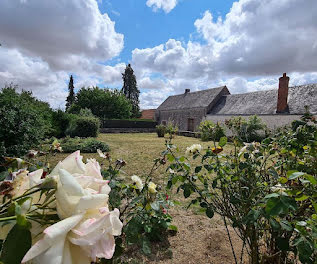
(160, 130)
(24, 121)
(61, 122)
(83, 126)
(85, 145)
(171, 129)
(247, 130)
(211, 131)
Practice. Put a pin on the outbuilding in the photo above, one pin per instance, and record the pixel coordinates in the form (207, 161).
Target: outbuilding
(276, 107)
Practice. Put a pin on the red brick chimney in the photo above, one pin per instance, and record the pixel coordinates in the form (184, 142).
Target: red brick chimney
(282, 106)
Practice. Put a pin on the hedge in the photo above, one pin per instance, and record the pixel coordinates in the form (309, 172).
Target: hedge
(123, 123)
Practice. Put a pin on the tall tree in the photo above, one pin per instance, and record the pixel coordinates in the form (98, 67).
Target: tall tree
(130, 90)
(71, 94)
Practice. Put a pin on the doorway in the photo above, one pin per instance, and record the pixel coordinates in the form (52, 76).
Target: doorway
(191, 124)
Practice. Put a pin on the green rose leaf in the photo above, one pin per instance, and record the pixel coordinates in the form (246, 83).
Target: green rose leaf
(173, 228)
(198, 169)
(16, 244)
(286, 225)
(294, 175)
(210, 212)
(223, 141)
(311, 179)
(187, 190)
(271, 195)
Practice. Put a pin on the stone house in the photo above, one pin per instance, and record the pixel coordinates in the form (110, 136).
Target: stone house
(276, 107)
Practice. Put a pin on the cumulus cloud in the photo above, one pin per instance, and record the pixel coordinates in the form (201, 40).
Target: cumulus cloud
(247, 50)
(32, 74)
(166, 5)
(46, 40)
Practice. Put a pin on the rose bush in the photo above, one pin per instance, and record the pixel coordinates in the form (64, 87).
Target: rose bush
(266, 191)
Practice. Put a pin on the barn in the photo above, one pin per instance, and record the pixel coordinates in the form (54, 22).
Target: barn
(276, 107)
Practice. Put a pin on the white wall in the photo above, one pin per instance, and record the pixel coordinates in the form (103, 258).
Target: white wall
(272, 121)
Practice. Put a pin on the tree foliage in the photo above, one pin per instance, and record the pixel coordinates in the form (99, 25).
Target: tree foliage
(24, 121)
(130, 90)
(103, 103)
(71, 94)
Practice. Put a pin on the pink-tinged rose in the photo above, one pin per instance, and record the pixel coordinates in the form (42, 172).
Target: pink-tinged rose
(88, 228)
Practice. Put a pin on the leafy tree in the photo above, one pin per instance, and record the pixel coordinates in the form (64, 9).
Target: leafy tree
(103, 103)
(71, 95)
(130, 90)
(24, 121)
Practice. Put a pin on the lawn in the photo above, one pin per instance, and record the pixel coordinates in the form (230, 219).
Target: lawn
(139, 151)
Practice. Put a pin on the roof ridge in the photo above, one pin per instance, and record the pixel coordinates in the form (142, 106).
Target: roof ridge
(271, 89)
(209, 89)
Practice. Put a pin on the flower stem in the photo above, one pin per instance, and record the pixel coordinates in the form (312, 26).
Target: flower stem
(8, 218)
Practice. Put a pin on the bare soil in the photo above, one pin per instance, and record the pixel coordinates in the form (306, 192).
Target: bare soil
(198, 240)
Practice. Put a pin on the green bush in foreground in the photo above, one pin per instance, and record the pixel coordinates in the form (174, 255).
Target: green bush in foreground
(85, 145)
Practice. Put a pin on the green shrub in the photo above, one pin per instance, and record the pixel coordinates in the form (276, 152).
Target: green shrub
(84, 127)
(61, 121)
(171, 129)
(247, 130)
(160, 130)
(211, 131)
(24, 121)
(85, 145)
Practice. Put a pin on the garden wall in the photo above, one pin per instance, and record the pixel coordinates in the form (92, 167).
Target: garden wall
(272, 121)
(127, 126)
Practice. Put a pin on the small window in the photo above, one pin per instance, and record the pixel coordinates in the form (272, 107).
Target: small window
(191, 124)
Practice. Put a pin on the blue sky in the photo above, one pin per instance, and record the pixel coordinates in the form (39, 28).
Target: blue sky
(172, 45)
(144, 28)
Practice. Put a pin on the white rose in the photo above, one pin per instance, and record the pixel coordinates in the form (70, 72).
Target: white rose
(193, 149)
(138, 182)
(87, 229)
(152, 187)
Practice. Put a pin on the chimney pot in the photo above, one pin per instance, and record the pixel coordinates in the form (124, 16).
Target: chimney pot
(282, 106)
(187, 91)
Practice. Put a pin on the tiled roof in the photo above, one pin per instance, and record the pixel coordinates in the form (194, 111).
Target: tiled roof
(192, 99)
(264, 102)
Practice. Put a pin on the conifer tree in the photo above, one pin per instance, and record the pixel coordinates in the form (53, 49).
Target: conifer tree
(71, 94)
(130, 90)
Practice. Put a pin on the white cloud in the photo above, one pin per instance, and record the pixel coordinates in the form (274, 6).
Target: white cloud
(32, 74)
(44, 41)
(166, 5)
(256, 39)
